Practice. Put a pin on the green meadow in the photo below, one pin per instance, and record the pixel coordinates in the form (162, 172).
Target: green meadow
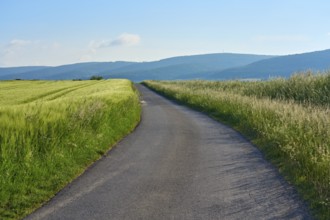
(287, 119)
(50, 131)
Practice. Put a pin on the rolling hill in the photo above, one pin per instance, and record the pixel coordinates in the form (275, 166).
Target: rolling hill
(70, 71)
(11, 71)
(183, 67)
(282, 66)
(220, 66)
(186, 67)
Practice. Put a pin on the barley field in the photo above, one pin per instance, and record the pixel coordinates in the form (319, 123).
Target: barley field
(50, 131)
(288, 119)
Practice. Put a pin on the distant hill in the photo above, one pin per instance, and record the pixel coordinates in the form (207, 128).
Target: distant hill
(70, 71)
(183, 67)
(220, 66)
(282, 66)
(18, 70)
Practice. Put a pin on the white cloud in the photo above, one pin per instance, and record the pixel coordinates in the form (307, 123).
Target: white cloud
(26, 52)
(18, 43)
(126, 40)
(122, 40)
(328, 33)
(20, 52)
(15, 45)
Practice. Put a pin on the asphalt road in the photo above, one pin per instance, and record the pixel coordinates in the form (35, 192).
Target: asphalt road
(177, 164)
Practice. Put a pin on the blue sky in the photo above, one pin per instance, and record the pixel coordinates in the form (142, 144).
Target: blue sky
(55, 32)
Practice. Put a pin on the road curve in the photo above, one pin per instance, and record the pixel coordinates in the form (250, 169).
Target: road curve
(177, 164)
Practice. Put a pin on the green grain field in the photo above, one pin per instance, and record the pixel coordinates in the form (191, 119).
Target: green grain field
(288, 119)
(50, 131)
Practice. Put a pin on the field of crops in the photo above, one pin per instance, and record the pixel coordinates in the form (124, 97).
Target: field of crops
(50, 131)
(289, 120)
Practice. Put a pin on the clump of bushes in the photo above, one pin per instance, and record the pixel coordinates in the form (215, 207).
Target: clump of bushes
(96, 77)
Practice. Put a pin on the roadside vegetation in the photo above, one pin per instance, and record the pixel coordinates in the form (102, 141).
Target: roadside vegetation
(50, 131)
(288, 119)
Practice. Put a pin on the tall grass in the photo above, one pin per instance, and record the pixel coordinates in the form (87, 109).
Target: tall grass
(296, 137)
(305, 88)
(50, 132)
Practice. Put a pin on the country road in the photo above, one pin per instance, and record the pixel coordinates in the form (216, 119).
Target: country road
(177, 164)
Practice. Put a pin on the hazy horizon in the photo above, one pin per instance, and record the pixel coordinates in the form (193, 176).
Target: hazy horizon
(145, 61)
(52, 33)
